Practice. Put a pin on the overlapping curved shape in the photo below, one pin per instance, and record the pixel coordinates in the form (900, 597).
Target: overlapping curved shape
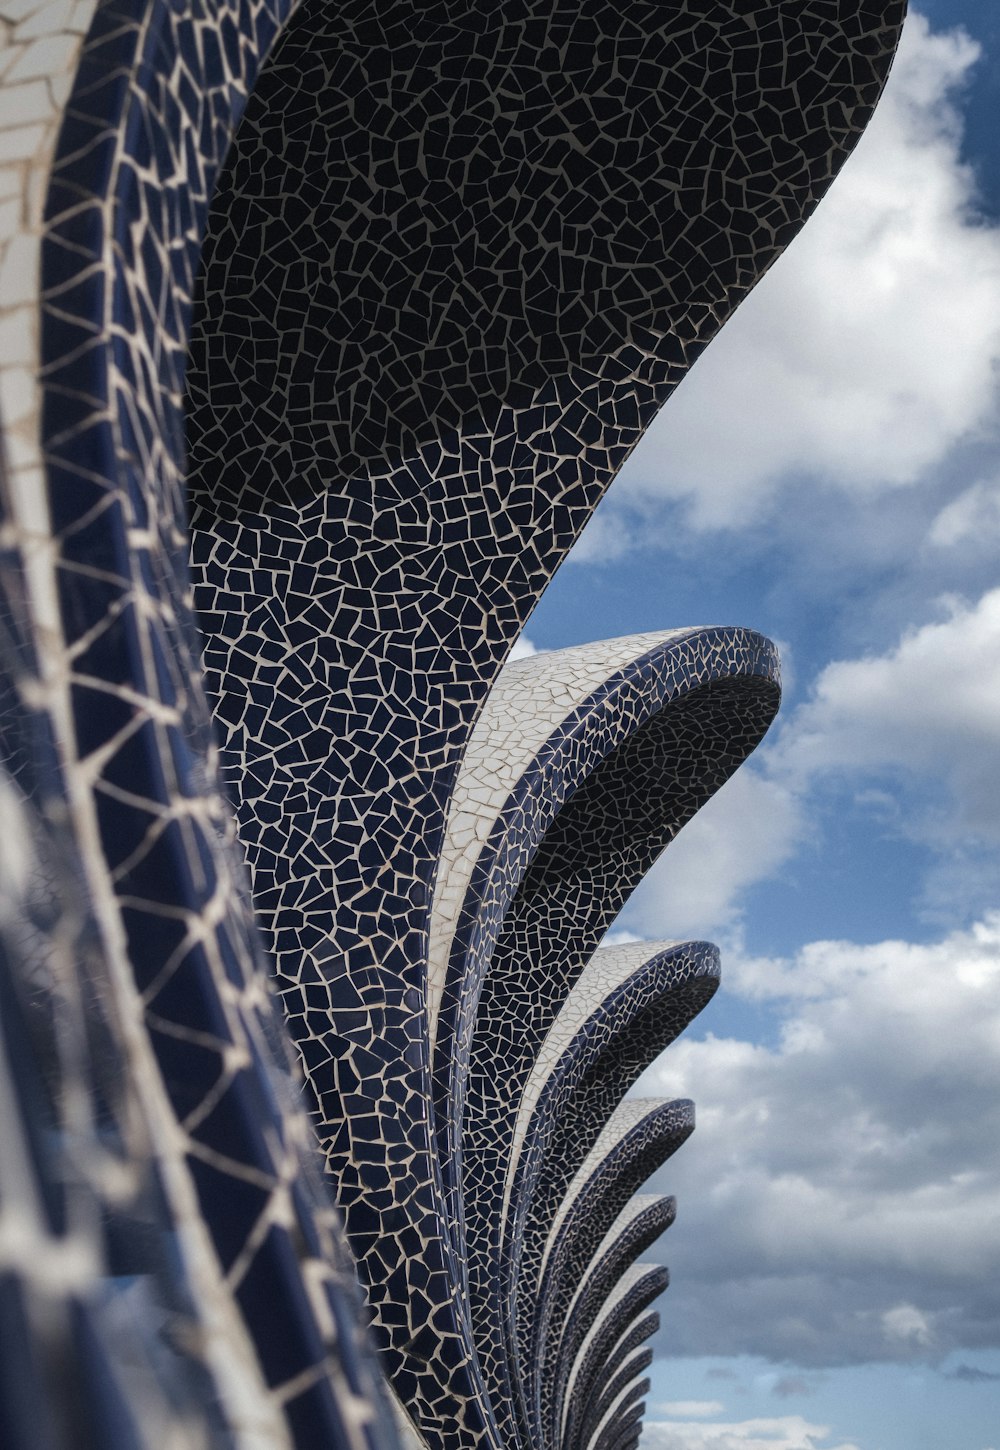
(642, 1221)
(615, 1377)
(624, 1426)
(435, 339)
(638, 1138)
(632, 1339)
(380, 298)
(614, 1410)
(656, 994)
(619, 744)
(612, 1398)
(116, 754)
(622, 1319)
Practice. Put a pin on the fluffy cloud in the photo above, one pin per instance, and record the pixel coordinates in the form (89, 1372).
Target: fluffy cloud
(869, 350)
(523, 649)
(843, 1184)
(930, 706)
(971, 520)
(788, 1432)
(691, 1409)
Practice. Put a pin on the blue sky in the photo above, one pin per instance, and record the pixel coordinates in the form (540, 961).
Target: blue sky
(830, 474)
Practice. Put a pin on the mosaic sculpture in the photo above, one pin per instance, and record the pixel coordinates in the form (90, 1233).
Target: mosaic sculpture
(324, 329)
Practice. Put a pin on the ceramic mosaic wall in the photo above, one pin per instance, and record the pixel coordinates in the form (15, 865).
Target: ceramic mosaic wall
(323, 329)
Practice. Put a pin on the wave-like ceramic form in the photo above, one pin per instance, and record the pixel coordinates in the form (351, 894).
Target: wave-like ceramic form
(639, 1137)
(642, 1221)
(612, 1412)
(631, 1296)
(622, 1427)
(612, 1399)
(691, 707)
(640, 999)
(323, 329)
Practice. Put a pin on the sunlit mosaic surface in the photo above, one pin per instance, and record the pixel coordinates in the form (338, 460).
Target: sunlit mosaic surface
(322, 332)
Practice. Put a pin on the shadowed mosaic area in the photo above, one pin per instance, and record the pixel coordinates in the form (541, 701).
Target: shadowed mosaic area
(331, 325)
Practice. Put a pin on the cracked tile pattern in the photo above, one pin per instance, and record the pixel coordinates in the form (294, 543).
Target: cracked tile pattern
(82, 1194)
(607, 985)
(630, 1298)
(639, 1137)
(40, 43)
(450, 266)
(97, 560)
(624, 1417)
(620, 1391)
(516, 732)
(642, 1221)
(632, 763)
(619, 1373)
(640, 999)
(627, 1028)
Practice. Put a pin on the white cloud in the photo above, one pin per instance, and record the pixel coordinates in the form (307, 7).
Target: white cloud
(931, 706)
(842, 1185)
(971, 520)
(905, 1322)
(523, 649)
(870, 348)
(787, 1432)
(691, 1409)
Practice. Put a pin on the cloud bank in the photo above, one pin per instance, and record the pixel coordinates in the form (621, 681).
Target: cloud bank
(844, 1183)
(787, 1432)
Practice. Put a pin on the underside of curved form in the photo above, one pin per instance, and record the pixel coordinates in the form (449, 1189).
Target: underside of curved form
(638, 1287)
(614, 1409)
(654, 997)
(623, 1423)
(640, 1224)
(618, 1391)
(686, 710)
(639, 1137)
(378, 299)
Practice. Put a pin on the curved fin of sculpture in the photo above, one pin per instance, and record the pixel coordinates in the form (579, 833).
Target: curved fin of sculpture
(616, 1380)
(640, 1001)
(627, 1028)
(544, 724)
(96, 508)
(638, 1138)
(644, 1218)
(640, 754)
(627, 1005)
(625, 1420)
(632, 1295)
(615, 1376)
(613, 1410)
(419, 441)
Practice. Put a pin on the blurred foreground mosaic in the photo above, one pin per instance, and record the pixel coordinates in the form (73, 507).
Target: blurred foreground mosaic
(323, 331)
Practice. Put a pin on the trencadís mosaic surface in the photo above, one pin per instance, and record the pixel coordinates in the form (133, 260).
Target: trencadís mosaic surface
(323, 330)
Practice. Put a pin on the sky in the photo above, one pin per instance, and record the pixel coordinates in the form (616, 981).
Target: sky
(829, 473)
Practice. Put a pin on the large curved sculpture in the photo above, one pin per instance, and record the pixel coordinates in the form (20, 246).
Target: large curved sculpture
(346, 316)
